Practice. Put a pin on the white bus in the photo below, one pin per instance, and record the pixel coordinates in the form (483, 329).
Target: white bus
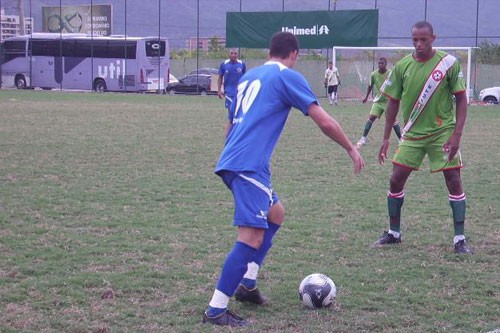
(75, 61)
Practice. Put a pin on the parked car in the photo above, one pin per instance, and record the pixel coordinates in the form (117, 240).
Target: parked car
(205, 70)
(490, 95)
(191, 84)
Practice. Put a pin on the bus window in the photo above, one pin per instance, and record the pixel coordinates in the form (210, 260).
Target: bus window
(45, 47)
(13, 49)
(120, 49)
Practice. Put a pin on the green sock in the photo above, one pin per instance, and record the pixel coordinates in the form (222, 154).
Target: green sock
(458, 208)
(394, 204)
(368, 126)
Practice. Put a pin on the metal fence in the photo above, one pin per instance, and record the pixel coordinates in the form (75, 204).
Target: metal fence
(195, 26)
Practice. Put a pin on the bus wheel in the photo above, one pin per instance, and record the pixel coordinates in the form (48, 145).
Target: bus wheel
(100, 85)
(20, 82)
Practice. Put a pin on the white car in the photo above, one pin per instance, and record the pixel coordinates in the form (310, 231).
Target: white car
(490, 95)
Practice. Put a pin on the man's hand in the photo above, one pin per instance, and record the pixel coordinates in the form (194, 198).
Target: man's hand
(220, 94)
(452, 146)
(357, 161)
(382, 154)
(365, 99)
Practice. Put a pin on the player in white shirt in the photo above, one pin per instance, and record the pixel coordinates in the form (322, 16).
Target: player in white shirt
(332, 81)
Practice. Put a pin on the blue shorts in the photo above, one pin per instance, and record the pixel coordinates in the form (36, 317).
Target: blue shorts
(253, 196)
(227, 101)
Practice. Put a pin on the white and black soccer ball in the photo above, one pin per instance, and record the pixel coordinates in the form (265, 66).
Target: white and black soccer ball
(317, 291)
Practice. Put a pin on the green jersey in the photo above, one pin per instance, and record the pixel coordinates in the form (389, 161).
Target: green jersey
(376, 81)
(406, 83)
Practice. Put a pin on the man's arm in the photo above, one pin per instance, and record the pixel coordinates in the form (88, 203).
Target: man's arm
(391, 113)
(219, 85)
(334, 131)
(228, 128)
(370, 87)
(453, 145)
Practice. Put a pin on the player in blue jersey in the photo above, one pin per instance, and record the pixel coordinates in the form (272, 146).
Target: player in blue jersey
(264, 99)
(230, 72)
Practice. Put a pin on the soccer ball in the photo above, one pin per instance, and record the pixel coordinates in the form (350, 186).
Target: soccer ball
(317, 291)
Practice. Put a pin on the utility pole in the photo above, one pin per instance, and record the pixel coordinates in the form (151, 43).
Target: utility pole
(20, 5)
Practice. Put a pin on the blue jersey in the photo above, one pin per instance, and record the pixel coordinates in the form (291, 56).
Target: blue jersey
(258, 115)
(232, 73)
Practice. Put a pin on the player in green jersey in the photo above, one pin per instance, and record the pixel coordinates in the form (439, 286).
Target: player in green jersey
(377, 79)
(424, 84)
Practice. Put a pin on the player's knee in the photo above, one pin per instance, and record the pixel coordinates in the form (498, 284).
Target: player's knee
(396, 183)
(253, 237)
(453, 180)
(276, 214)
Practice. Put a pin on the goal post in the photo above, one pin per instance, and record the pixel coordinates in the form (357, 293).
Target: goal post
(356, 64)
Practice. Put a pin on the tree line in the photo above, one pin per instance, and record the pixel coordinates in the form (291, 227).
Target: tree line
(488, 53)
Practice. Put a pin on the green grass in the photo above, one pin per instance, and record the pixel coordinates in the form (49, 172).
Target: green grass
(111, 220)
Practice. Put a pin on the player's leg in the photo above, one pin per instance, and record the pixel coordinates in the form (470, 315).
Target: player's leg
(275, 218)
(458, 205)
(407, 158)
(250, 200)
(438, 160)
(248, 291)
(330, 95)
(457, 201)
(335, 94)
(376, 112)
(396, 196)
(233, 269)
(227, 104)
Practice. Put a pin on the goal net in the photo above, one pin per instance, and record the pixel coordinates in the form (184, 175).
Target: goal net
(356, 64)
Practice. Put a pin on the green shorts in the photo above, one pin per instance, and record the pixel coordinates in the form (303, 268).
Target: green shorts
(378, 109)
(411, 153)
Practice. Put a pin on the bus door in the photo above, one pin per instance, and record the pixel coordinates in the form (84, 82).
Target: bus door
(47, 69)
(15, 66)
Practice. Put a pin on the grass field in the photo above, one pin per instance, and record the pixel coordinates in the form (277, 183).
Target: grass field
(111, 220)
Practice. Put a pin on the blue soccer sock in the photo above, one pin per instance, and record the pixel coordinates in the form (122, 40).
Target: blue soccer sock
(250, 277)
(235, 267)
(232, 272)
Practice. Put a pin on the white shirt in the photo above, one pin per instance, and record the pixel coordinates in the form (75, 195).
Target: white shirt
(332, 76)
